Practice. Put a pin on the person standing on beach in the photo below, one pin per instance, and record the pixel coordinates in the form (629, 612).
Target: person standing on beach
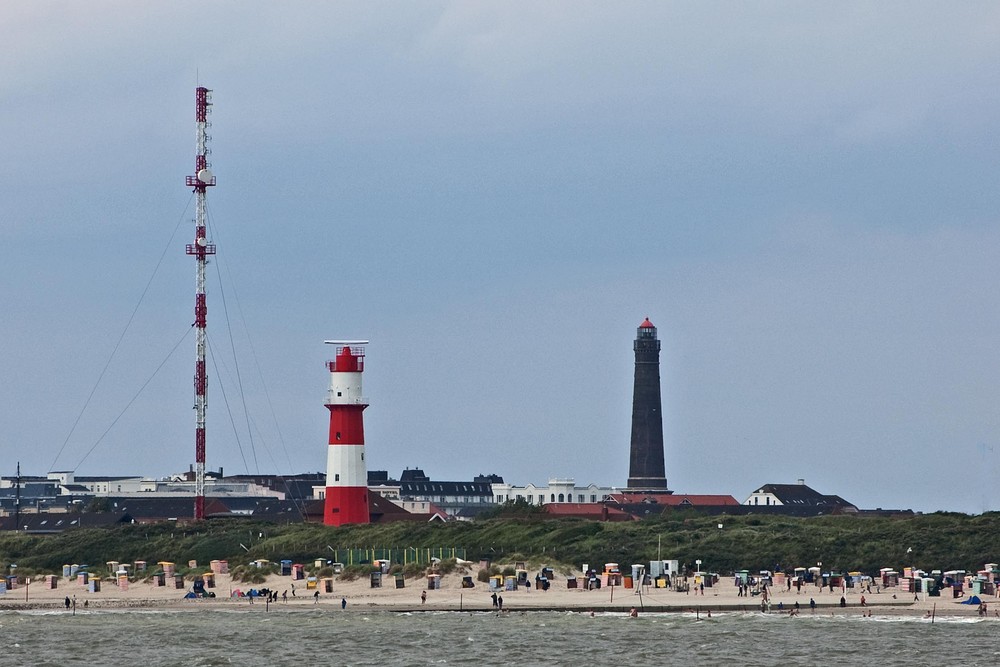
(423, 597)
(293, 590)
(494, 598)
(812, 605)
(67, 602)
(343, 603)
(500, 603)
(316, 597)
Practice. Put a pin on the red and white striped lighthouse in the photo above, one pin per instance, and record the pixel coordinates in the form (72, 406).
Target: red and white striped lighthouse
(346, 474)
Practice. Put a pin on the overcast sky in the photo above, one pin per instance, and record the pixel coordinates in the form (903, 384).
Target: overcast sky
(801, 196)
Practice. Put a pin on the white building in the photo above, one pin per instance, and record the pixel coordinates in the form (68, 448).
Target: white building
(557, 491)
(177, 485)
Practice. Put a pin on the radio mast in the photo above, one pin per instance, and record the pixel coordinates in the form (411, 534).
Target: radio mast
(201, 249)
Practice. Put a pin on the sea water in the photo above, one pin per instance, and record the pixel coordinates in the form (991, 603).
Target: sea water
(251, 636)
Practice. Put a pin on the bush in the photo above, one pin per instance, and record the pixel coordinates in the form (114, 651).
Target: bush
(352, 572)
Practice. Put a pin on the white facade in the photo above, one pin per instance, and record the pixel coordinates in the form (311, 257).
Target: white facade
(558, 490)
(103, 486)
(151, 488)
(345, 388)
(761, 498)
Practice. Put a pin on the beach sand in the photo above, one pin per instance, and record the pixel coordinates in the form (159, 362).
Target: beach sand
(452, 597)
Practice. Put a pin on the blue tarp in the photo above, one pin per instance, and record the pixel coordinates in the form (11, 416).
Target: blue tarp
(972, 600)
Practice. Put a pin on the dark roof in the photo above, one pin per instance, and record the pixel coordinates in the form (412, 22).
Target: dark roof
(57, 522)
(382, 510)
(445, 488)
(800, 494)
(595, 511)
(160, 509)
(414, 475)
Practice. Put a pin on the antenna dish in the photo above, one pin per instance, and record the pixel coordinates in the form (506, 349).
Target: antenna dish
(205, 176)
(346, 342)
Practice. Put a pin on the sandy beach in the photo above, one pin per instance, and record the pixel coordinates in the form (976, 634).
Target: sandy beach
(452, 597)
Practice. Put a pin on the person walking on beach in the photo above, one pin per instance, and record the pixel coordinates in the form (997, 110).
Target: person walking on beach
(67, 602)
(500, 603)
(423, 597)
(293, 590)
(863, 602)
(812, 605)
(343, 603)
(316, 597)
(494, 598)
(284, 596)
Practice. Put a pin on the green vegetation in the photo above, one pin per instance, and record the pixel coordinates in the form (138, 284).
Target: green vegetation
(939, 540)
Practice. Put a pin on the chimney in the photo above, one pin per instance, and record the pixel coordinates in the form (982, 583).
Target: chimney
(801, 482)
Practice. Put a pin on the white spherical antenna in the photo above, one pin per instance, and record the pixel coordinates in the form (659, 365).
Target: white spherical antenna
(202, 242)
(205, 176)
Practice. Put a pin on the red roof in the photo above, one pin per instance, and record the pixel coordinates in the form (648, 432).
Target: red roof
(674, 499)
(646, 324)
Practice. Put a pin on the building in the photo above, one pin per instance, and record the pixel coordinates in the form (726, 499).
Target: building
(797, 499)
(558, 490)
(646, 468)
(415, 491)
(641, 504)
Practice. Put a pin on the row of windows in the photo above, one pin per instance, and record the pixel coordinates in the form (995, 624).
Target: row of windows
(553, 498)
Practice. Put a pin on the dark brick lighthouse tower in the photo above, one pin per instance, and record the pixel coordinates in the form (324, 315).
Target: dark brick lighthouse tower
(646, 461)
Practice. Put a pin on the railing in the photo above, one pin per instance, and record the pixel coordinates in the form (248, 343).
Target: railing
(400, 555)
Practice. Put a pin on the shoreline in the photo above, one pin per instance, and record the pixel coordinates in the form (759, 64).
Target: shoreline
(451, 597)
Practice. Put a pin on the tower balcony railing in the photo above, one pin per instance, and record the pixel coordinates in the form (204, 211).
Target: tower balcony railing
(332, 399)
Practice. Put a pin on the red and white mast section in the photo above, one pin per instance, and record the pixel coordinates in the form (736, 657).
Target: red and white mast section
(201, 249)
(346, 474)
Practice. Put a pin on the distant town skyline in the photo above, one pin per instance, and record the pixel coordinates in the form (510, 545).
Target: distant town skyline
(801, 197)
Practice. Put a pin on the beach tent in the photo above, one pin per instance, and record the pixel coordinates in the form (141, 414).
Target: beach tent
(972, 600)
(190, 596)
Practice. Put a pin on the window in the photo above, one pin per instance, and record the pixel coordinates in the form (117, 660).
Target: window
(579, 498)
(593, 498)
(336, 478)
(541, 499)
(560, 497)
(553, 498)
